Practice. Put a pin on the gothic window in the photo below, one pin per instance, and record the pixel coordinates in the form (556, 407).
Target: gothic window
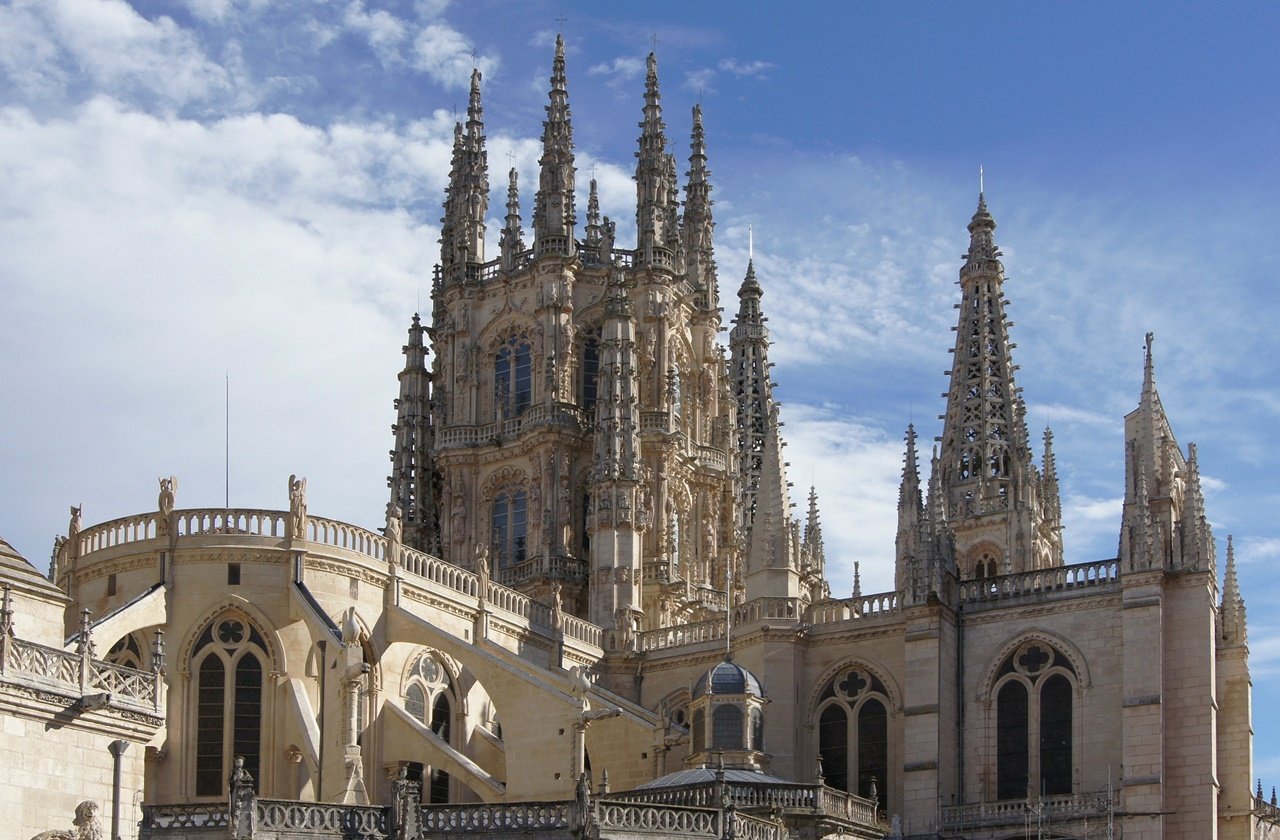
(1035, 723)
(756, 718)
(985, 565)
(513, 377)
(855, 756)
(590, 372)
(428, 698)
(227, 659)
(584, 537)
(509, 525)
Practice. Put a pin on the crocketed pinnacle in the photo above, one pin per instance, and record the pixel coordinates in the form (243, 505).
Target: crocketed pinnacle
(467, 197)
(983, 254)
(1232, 611)
(753, 389)
(594, 230)
(698, 223)
(655, 179)
(512, 240)
(554, 216)
(412, 475)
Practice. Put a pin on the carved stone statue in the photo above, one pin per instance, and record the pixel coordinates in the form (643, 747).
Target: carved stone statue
(297, 507)
(73, 527)
(85, 826)
(557, 608)
(168, 486)
(608, 233)
(394, 532)
(482, 571)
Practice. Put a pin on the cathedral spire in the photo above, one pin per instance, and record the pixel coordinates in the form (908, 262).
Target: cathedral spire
(1049, 492)
(749, 369)
(911, 513)
(1231, 612)
(467, 197)
(512, 240)
(412, 479)
(655, 180)
(554, 217)
(698, 224)
(814, 551)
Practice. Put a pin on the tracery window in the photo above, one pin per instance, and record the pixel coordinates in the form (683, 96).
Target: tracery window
(509, 525)
(227, 659)
(126, 652)
(513, 377)
(590, 372)
(853, 733)
(429, 699)
(1035, 688)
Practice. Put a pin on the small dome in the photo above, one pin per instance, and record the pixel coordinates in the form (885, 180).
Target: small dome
(728, 677)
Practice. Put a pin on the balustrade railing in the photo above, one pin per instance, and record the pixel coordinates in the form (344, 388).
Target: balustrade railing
(77, 674)
(658, 819)
(1056, 579)
(351, 822)
(747, 827)
(567, 415)
(783, 796)
(1017, 811)
(847, 609)
(203, 815)
(487, 818)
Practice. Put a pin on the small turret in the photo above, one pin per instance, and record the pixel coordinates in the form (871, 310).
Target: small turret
(1231, 612)
(656, 206)
(467, 197)
(413, 476)
(698, 224)
(512, 240)
(594, 228)
(910, 513)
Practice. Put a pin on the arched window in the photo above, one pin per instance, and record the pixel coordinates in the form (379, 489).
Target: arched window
(853, 734)
(510, 525)
(228, 661)
(1034, 723)
(726, 728)
(126, 652)
(584, 537)
(513, 377)
(757, 730)
(429, 699)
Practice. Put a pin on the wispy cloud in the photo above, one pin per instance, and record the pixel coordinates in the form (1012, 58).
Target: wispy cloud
(385, 32)
(618, 72)
(448, 56)
(755, 69)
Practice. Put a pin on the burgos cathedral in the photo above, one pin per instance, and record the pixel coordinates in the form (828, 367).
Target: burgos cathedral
(590, 612)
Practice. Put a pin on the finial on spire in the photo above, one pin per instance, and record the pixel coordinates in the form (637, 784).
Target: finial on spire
(981, 185)
(751, 245)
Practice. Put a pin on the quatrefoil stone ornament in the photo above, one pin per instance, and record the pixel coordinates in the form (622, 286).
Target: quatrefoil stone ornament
(231, 632)
(852, 685)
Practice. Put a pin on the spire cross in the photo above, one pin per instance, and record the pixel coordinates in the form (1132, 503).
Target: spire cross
(511, 158)
(653, 42)
(593, 170)
(560, 22)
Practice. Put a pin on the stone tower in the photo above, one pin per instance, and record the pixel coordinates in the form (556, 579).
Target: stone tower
(578, 419)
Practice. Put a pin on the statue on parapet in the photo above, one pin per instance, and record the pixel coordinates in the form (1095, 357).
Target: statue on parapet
(165, 502)
(482, 571)
(297, 507)
(394, 532)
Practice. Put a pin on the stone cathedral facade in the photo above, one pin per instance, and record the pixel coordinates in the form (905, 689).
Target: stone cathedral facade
(590, 611)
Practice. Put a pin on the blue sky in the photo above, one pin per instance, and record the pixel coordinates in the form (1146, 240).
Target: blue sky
(202, 188)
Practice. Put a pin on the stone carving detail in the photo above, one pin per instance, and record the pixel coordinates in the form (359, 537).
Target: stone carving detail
(297, 507)
(85, 826)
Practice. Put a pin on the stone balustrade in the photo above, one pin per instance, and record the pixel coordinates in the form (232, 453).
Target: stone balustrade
(566, 415)
(783, 796)
(158, 820)
(1052, 809)
(78, 675)
(649, 818)
(322, 819)
(1077, 577)
(848, 609)
(656, 421)
(680, 635)
(494, 817)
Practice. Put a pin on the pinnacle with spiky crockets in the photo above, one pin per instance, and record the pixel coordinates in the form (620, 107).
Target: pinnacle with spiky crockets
(554, 216)
(749, 369)
(511, 242)
(412, 479)
(698, 225)
(467, 196)
(1232, 620)
(657, 205)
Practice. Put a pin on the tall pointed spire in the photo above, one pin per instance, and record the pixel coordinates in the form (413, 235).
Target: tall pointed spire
(1231, 612)
(698, 224)
(512, 240)
(749, 369)
(988, 475)
(814, 552)
(467, 197)
(412, 480)
(554, 217)
(594, 229)
(655, 180)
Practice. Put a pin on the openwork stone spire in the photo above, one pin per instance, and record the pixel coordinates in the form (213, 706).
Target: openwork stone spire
(554, 217)
(594, 228)
(698, 224)
(656, 202)
(749, 368)
(467, 197)
(412, 479)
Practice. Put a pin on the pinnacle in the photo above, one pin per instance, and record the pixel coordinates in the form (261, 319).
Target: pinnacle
(750, 286)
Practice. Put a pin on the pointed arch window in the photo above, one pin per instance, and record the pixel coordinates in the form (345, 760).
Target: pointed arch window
(513, 377)
(853, 734)
(429, 698)
(1035, 723)
(227, 659)
(590, 372)
(126, 652)
(509, 523)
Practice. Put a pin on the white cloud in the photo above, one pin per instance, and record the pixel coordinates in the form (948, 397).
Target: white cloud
(700, 80)
(48, 46)
(384, 31)
(755, 69)
(620, 71)
(1251, 550)
(448, 57)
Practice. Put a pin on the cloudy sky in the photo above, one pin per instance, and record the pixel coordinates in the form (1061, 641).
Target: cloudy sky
(203, 191)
